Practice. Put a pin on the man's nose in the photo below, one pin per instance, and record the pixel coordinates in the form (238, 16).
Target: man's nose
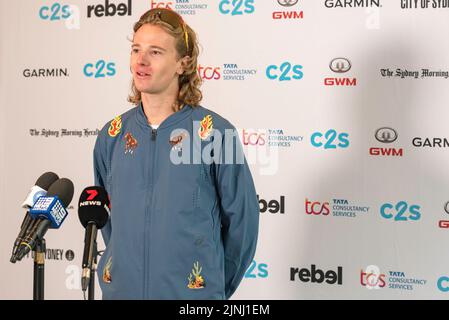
(142, 58)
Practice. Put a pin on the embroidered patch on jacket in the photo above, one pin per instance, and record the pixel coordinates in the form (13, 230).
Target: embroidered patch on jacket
(107, 271)
(206, 126)
(115, 127)
(130, 143)
(176, 141)
(196, 281)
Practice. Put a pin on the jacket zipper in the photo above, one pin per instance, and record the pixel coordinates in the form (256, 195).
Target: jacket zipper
(148, 217)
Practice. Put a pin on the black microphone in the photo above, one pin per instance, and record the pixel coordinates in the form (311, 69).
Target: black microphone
(93, 212)
(39, 189)
(50, 212)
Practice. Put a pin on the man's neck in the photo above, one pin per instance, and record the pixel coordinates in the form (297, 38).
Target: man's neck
(157, 108)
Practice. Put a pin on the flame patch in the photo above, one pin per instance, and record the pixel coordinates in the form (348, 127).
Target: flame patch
(107, 271)
(115, 127)
(206, 127)
(196, 281)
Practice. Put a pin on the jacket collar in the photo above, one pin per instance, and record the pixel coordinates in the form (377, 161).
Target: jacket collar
(169, 122)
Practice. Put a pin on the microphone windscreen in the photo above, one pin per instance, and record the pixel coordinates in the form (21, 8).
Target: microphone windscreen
(46, 180)
(63, 188)
(93, 206)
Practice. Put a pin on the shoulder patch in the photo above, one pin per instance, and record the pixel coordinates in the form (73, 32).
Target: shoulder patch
(206, 126)
(115, 127)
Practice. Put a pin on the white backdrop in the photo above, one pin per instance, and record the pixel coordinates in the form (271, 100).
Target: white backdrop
(265, 67)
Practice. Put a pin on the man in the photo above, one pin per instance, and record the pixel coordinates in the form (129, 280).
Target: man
(184, 211)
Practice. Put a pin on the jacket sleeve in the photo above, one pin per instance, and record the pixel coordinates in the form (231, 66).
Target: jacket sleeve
(239, 212)
(100, 175)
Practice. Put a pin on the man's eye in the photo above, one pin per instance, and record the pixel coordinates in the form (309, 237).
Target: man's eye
(135, 50)
(155, 52)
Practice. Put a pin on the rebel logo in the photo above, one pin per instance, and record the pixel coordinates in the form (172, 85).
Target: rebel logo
(109, 9)
(272, 206)
(314, 275)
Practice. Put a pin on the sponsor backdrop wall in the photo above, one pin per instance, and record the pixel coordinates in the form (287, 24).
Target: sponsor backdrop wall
(342, 108)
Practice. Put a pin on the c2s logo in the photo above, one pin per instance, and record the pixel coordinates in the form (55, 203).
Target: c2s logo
(287, 72)
(261, 269)
(55, 12)
(98, 71)
(399, 211)
(226, 6)
(330, 136)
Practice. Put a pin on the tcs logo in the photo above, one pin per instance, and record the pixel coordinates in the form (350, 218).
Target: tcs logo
(209, 73)
(166, 5)
(400, 212)
(285, 72)
(330, 140)
(101, 69)
(317, 208)
(253, 138)
(55, 12)
(236, 7)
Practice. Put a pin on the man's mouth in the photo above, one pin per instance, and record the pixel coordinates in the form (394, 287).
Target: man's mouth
(142, 74)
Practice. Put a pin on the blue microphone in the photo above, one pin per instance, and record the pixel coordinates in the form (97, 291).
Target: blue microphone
(50, 212)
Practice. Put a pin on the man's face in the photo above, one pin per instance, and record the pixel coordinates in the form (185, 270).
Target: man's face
(154, 63)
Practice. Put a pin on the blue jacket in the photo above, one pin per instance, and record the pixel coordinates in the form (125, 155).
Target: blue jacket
(177, 230)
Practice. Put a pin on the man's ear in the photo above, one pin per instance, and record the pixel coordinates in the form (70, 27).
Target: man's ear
(183, 65)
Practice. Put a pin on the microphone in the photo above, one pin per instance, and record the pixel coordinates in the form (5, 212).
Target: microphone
(39, 189)
(93, 212)
(50, 212)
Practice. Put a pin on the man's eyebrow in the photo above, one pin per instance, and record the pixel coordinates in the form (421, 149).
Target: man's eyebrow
(152, 47)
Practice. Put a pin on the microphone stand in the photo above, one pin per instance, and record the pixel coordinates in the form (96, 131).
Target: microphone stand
(39, 269)
(93, 269)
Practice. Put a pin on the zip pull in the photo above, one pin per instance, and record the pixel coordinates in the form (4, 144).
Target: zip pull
(153, 134)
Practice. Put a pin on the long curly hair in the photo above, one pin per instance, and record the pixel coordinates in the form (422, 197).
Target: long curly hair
(190, 80)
